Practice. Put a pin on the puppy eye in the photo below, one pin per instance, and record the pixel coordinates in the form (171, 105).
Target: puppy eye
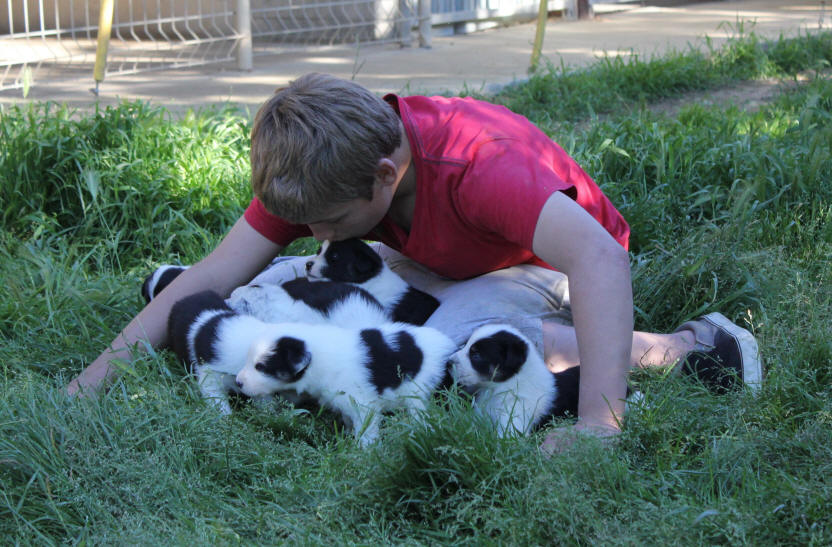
(474, 353)
(333, 256)
(260, 367)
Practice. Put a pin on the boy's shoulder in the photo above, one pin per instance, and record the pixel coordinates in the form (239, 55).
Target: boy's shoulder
(455, 127)
(441, 110)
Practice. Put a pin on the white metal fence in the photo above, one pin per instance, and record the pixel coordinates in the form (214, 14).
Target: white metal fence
(324, 22)
(47, 40)
(56, 39)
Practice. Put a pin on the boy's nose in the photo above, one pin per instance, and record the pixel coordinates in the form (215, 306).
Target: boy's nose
(321, 232)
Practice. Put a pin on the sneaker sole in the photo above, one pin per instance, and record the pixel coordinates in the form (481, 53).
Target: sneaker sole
(752, 368)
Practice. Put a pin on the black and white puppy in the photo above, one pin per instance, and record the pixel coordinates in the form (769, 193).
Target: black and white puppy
(350, 261)
(213, 335)
(214, 341)
(357, 373)
(353, 261)
(295, 300)
(159, 279)
(304, 301)
(510, 381)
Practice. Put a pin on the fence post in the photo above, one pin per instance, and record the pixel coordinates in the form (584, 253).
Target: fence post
(244, 54)
(405, 26)
(571, 9)
(542, 17)
(424, 23)
(105, 27)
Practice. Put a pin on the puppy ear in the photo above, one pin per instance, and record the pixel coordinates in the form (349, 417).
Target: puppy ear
(290, 358)
(367, 261)
(362, 269)
(517, 350)
(513, 352)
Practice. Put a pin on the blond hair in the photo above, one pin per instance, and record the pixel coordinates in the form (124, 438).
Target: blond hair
(317, 143)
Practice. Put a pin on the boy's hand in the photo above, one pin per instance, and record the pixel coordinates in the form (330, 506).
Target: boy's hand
(241, 255)
(601, 298)
(562, 438)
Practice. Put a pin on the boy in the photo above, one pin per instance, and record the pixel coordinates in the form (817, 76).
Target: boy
(462, 190)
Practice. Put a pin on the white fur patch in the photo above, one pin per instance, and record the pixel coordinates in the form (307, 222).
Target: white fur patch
(338, 376)
(271, 303)
(516, 404)
(235, 335)
(386, 286)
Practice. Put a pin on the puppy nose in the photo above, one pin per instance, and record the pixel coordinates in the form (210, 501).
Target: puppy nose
(309, 266)
(239, 384)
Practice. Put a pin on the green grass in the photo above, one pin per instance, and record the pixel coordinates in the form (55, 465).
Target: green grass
(730, 210)
(620, 84)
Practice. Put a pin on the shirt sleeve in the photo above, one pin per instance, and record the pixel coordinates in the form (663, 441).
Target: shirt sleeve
(505, 188)
(272, 227)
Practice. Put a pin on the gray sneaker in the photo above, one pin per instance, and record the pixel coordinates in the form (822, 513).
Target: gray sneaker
(725, 354)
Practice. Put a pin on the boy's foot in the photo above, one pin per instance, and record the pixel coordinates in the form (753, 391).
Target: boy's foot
(725, 354)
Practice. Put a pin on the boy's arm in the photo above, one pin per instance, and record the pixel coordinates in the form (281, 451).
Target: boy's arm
(237, 259)
(601, 296)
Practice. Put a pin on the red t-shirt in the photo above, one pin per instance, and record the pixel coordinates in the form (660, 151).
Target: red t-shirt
(483, 176)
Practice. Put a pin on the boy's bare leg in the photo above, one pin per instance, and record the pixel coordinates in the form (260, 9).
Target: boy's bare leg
(561, 352)
(649, 349)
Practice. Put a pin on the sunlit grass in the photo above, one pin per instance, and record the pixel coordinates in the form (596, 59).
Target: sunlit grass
(730, 211)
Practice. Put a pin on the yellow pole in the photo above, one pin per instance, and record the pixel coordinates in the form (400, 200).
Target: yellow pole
(542, 15)
(105, 26)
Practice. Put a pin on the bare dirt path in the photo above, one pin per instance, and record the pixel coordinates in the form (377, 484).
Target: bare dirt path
(748, 95)
(484, 61)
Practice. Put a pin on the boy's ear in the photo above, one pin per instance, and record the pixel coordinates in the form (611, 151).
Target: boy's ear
(386, 172)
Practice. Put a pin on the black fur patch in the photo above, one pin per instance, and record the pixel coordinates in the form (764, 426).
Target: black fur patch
(150, 292)
(390, 366)
(184, 313)
(146, 289)
(351, 261)
(322, 295)
(567, 383)
(206, 336)
(287, 360)
(499, 356)
(414, 307)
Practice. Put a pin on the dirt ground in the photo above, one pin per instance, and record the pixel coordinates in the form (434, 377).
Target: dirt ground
(748, 95)
(483, 61)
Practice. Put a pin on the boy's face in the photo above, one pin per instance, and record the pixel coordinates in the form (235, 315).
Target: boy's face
(353, 218)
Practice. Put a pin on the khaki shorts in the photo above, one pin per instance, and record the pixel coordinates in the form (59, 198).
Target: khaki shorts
(522, 296)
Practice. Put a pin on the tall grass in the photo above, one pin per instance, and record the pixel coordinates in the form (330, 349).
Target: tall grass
(124, 174)
(617, 84)
(730, 210)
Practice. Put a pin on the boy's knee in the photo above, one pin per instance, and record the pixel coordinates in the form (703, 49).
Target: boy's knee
(522, 297)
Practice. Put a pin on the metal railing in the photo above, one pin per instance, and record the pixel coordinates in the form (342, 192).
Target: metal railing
(48, 40)
(333, 22)
(44, 41)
